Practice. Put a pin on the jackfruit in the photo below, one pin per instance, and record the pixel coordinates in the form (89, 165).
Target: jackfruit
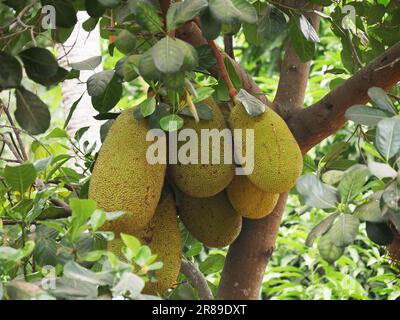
(278, 160)
(212, 221)
(204, 180)
(122, 179)
(163, 237)
(248, 200)
(394, 249)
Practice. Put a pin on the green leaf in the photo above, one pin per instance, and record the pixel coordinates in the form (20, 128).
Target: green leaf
(380, 233)
(181, 12)
(252, 105)
(353, 182)
(11, 71)
(223, 10)
(148, 106)
(204, 111)
(97, 83)
(213, 264)
(171, 123)
(20, 177)
(39, 63)
(87, 64)
(247, 11)
(130, 285)
(344, 230)
(94, 8)
(210, 27)
(304, 48)
(131, 243)
(72, 110)
(328, 250)
(387, 139)
(381, 170)
(381, 99)
(65, 12)
(147, 68)
(190, 57)
(370, 212)
(125, 42)
(321, 228)
(364, 115)
(146, 15)
(97, 219)
(109, 3)
(130, 67)
(316, 194)
(82, 209)
(205, 56)
(32, 114)
(308, 30)
(167, 55)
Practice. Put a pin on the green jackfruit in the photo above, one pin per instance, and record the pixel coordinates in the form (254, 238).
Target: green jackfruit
(248, 200)
(122, 179)
(212, 221)
(163, 237)
(204, 180)
(277, 157)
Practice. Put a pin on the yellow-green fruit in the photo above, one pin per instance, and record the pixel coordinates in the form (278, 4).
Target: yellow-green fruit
(248, 200)
(212, 221)
(204, 180)
(122, 179)
(277, 157)
(163, 237)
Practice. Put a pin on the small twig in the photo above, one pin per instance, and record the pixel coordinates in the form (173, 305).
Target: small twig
(228, 43)
(12, 148)
(224, 72)
(389, 65)
(192, 272)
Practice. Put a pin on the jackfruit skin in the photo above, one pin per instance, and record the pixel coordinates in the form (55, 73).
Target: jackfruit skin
(250, 201)
(122, 179)
(278, 161)
(212, 221)
(204, 180)
(393, 249)
(163, 237)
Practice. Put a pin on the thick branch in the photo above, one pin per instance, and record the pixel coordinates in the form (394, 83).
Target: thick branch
(293, 77)
(312, 125)
(192, 272)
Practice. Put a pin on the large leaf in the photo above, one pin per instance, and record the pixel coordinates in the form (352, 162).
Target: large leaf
(97, 83)
(224, 11)
(247, 11)
(167, 55)
(146, 15)
(110, 97)
(322, 227)
(65, 12)
(315, 193)
(328, 250)
(109, 3)
(20, 177)
(344, 230)
(381, 170)
(39, 63)
(387, 139)
(308, 30)
(11, 71)
(87, 64)
(181, 12)
(253, 106)
(32, 114)
(364, 115)
(381, 99)
(369, 211)
(304, 48)
(210, 27)
(352, 182)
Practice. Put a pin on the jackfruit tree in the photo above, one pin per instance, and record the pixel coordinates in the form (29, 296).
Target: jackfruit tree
(302, 99)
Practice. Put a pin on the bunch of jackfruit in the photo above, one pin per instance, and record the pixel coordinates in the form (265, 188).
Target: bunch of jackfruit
(210, 199)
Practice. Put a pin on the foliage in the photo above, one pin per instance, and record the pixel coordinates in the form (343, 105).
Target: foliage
(349, 188)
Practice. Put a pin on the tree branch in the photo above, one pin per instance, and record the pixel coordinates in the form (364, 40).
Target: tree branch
(192, 272)
(312, 125)
(294, 74)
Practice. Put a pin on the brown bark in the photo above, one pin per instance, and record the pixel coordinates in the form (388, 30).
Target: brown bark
(248, 256)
